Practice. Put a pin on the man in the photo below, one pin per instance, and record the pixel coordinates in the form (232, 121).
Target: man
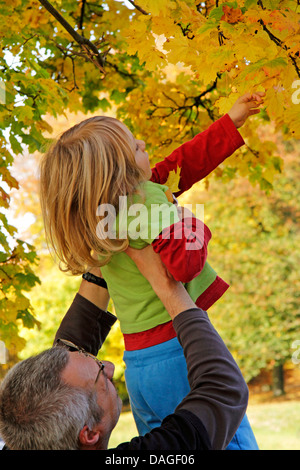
(65, 399)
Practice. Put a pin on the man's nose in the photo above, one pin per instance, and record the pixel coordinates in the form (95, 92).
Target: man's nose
(109, 368)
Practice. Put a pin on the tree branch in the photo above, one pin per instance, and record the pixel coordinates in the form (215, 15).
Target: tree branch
(82, 16)
(278, 41)
(196, 102)
(140, 9)
(90, 48)
(280, 44)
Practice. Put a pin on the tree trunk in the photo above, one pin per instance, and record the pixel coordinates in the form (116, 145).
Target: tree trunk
(278, 380)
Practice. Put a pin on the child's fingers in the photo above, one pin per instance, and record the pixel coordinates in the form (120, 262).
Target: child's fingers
(253, 104)
(254, 111)
(245, 98)
(249, 97)
(258, 96)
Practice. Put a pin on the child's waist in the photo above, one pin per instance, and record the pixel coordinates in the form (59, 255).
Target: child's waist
(164, 332)
(146, 339)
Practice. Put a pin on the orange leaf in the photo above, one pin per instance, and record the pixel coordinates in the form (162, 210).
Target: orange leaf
(232, 15)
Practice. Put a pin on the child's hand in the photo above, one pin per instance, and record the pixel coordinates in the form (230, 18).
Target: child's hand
(245, 106)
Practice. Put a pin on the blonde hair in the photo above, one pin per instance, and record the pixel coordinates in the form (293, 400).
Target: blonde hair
(92, 163)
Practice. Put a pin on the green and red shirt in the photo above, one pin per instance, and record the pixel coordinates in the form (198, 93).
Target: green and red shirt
(143, 318)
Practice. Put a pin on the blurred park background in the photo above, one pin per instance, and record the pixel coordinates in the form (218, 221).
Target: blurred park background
(167, 69)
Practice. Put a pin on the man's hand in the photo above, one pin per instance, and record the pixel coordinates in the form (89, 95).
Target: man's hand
(245, 106)
(172, 293)
(184, 212)
(150, 266)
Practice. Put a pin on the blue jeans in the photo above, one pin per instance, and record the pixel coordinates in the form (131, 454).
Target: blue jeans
(156, 380)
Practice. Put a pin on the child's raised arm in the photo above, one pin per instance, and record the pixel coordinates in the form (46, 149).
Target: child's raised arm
(207, 150)
(245, 106)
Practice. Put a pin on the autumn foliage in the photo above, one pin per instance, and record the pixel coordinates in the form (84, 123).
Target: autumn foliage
(167, 68)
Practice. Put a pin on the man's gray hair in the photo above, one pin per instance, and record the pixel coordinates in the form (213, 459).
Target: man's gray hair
(39, 411)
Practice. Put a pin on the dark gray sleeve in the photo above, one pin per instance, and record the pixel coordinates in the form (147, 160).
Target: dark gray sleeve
(85, 325)
(219, 394)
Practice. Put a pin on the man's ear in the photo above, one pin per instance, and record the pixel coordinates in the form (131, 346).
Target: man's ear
(88, 438)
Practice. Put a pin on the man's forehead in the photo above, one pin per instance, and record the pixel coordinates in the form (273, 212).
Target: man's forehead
(80, 369)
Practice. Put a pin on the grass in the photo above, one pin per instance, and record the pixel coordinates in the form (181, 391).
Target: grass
(124, 431)
(276, 425)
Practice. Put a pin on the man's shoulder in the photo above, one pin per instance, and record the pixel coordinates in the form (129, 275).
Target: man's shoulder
(181, 430)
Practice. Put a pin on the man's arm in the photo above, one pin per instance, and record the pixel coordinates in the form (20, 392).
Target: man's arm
(87, 323)
(219, 394)
(98, 295)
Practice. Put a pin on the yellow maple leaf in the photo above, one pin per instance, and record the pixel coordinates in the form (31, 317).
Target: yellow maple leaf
(178, 49)
(173, 180)
(225, 103)
(157, 7)
(291, 117)
(164, 25)
(274, 103)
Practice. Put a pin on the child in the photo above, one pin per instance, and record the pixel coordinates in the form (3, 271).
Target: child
(92, 165)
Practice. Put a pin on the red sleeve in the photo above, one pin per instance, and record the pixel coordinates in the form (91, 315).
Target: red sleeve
(183, 248)
(201, 155)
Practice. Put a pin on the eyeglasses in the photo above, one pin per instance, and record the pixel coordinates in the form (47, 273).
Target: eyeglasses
(74, 348)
